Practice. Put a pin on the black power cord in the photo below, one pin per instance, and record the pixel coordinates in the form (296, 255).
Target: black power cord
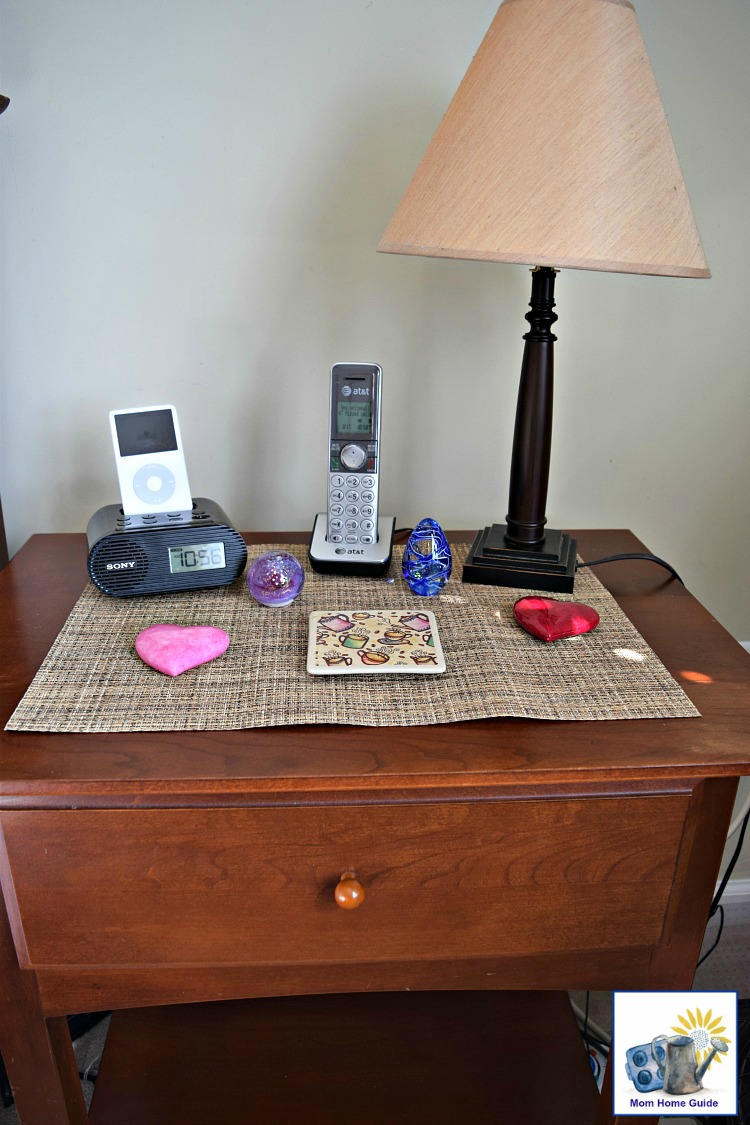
(646, 556)
(718, 936)
(716, 903)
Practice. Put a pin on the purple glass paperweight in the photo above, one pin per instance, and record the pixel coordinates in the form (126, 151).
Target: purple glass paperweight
(275, 579)
(427, 561)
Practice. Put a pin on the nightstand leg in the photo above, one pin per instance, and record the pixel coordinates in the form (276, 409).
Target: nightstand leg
(37, 1052)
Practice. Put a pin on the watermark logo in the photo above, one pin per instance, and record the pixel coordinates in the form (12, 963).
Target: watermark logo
(674, 1053)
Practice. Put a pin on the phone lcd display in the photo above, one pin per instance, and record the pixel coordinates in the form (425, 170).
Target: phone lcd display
(145, 431)
(354, 417)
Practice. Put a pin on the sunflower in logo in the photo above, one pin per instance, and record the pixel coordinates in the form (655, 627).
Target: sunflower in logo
(702, 1029)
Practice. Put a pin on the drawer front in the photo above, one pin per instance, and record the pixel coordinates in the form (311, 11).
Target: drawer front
(255, 886)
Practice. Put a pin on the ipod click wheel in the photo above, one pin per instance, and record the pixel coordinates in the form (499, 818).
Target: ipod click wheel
(150, 461)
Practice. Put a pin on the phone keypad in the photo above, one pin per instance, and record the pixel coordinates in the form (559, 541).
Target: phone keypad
(351, 508)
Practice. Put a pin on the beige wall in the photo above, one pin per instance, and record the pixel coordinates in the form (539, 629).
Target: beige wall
(192, 194)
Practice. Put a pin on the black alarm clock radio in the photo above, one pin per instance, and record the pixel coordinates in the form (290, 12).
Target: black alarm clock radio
(163, 553)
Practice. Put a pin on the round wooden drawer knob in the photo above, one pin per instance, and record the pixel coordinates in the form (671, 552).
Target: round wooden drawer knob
(349, 892)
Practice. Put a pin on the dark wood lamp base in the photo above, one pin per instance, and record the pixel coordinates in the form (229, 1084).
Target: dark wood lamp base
(550, 566)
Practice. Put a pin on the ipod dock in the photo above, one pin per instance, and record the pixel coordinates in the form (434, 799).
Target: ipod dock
(163, 553)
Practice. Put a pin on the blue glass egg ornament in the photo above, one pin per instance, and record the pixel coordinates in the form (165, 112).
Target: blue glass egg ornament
(427, 560)
(275, 579)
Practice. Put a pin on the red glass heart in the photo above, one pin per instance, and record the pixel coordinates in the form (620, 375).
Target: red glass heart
(552, 620)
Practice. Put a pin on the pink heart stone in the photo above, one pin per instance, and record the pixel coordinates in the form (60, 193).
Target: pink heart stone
(173, 649)
(551, 620)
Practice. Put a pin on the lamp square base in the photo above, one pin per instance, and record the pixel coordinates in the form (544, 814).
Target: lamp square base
(550, 567)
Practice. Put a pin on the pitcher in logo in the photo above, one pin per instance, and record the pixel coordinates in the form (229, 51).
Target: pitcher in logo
(682, 1075)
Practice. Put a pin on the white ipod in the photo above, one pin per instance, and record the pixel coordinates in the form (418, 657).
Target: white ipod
(150, 462)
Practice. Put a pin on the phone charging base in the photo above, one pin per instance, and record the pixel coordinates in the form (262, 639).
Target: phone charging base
(370, 560)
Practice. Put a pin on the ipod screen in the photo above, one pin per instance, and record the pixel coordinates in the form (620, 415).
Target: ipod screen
(145, 431)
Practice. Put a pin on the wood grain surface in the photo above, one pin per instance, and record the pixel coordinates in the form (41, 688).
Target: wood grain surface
(258, 888)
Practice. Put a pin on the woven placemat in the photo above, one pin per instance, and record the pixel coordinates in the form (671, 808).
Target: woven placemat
(92, 680)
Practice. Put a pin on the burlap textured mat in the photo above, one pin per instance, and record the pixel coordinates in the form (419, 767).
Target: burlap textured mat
(92, 680)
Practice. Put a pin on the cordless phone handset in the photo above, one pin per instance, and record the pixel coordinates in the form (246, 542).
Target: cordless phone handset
(354, 454)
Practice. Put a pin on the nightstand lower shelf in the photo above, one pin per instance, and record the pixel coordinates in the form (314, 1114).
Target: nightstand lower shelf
(407, 1058)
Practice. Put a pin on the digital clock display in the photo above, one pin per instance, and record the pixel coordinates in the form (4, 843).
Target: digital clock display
(196, 556)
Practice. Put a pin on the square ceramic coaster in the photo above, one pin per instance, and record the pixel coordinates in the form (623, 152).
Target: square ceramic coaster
(376, 640)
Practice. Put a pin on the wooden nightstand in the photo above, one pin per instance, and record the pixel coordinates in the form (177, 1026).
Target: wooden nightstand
(144, 870)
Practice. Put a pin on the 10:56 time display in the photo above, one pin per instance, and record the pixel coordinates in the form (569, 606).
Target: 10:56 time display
(196, 556)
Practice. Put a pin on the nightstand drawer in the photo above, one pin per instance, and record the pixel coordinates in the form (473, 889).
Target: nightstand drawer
(256, 885)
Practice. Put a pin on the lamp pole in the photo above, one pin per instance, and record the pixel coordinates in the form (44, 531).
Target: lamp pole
(523, 552)
(532, 439)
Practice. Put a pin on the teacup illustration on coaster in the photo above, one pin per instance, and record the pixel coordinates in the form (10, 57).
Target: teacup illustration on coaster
(334, 658)
(355, 639)
(383, 640)
(395, 637)
(374, 657)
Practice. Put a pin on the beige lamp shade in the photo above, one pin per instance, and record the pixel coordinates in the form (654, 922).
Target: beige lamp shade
(555, 151)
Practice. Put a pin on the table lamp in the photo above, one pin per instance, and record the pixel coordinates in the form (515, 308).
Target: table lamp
(555, 152)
